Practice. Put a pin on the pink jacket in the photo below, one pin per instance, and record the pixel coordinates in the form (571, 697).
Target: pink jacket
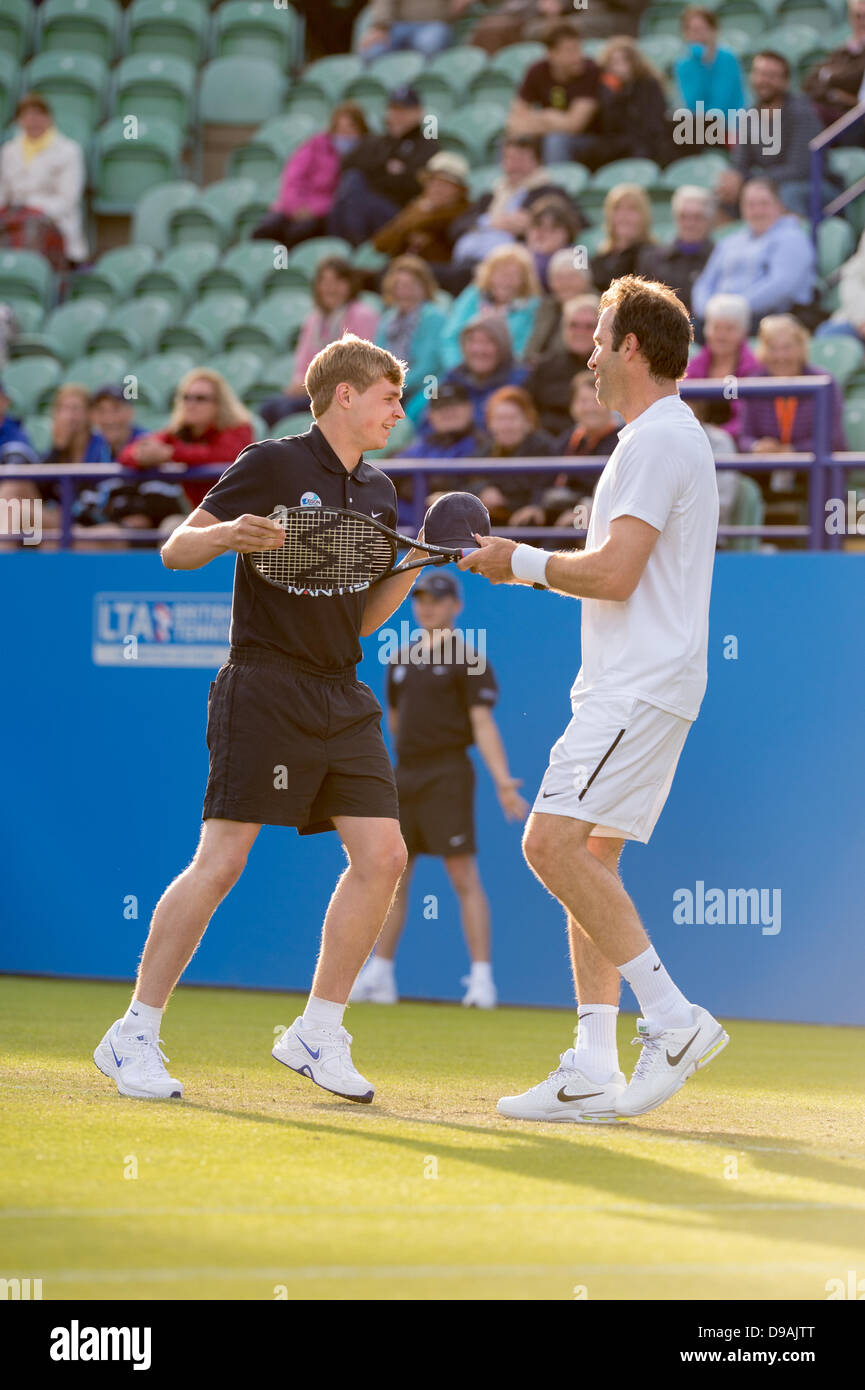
(317, 331)
(748, 365)
(309, 178)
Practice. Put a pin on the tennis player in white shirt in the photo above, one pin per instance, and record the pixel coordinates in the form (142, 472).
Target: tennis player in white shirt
(644, 577)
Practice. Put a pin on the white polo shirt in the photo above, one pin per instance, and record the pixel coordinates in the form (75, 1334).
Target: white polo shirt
(653, 646)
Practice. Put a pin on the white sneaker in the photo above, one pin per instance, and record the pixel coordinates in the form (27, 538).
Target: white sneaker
(669, 1056)
(374, 986)
(323, 1054)
(481, 994)
(137, 1063)
(567, 1094)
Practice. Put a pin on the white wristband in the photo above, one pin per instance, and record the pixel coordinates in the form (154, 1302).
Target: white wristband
(529, 563)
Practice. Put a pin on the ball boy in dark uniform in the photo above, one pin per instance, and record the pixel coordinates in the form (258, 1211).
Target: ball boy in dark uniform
(440, 698)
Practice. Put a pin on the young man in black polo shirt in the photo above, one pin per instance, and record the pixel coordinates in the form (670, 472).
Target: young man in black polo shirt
(294, 737)
(440, 698)
(558, 97)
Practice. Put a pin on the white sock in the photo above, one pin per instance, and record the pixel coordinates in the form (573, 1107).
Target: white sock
(595, 1051)
(481, 972)
(141, 1018)
(322, 1013)
(661, 1002)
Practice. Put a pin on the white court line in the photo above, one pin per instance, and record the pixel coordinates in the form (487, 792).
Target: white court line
(628, 1208)
(282, 1274)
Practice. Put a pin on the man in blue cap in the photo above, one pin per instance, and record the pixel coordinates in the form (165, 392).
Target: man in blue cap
(380, 175)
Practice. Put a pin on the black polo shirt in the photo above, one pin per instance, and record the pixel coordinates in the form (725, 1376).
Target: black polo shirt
(319, 630)
(433, 700)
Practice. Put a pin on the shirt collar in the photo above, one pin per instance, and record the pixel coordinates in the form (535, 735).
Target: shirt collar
(656, 408)
(362, 471)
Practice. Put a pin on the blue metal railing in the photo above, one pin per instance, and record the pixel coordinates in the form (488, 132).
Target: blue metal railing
(825, 470)
(817, 148)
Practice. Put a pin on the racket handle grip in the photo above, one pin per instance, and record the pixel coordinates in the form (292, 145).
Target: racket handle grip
(540, 586)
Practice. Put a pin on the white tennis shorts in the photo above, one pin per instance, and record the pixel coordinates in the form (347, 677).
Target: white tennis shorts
(614, 766)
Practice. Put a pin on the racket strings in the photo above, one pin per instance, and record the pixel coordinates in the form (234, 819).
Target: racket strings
(327, 549)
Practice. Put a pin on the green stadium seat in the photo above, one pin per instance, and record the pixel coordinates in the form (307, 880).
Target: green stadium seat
(482, 179)
(516, 58)
(67, 329)
(206, 324)
(748, 15)
(249, 217)
(663, 18)
(273, 325)
(458, 65)
(275, 374)
(169, 28)
(29, 383)
(365, 257)
(178, 274)
(397, 69)
(279, 137)
(240, 91)
(240, 367)
(115, 274)
(312, 105)
(842, 356)
(748, 510)
(213, 216)
(329, 77)
(643, 172)
(83, 26)
(795, 42)
(251, 268)
(848, 164)
(257, 29)
(307, 255)
(291, 425)
(156, 87)
(39, 429)
(133, 327)
(98, 369)
(808, 12)
(494, 85)
(16, 26)
(472, 131)
(835, 243)
(153, 211)
(25, 277)
(159, 375)
(662, 50)
(76, 84)
(573, 178)
(700, 169)
(127, 168)
(9, 83)
(854, 424)
(438, 94)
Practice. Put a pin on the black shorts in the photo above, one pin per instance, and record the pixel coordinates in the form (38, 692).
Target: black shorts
(436, 807)
(288, 747)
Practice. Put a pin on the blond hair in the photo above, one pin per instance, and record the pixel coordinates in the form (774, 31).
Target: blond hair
(353, 360)
(625, 193)
(229, 410)
(531, 285)
(409, 265)
(771, 324)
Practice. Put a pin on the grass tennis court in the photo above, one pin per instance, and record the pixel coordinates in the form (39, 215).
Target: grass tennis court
(748, 1184)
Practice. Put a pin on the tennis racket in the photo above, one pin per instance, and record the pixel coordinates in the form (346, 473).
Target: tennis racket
(331, 550)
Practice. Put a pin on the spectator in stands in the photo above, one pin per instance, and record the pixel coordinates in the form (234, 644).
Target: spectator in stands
(512, 431)
(791, 122)
(487, 361)
(592, 432)
(558, 97)
(727, 356)
(423, 225)
(554, 224)
(449, 431)
(770, 261)
(338, 310)
(31, 512)
(679, 262)
(421, 25)
(42, 169)
(706, 72)
(502, 215)
(776, 424)
(517, 21)
(380, 175)
(849, 317)
(567, 279)
(310, 177)
(113, 416)
(627, 238)
(208, 424)
(632, 116)
(505, 286)
(551, 379)
(411, 326)
(73, 438)
(834, 83)
(127, 502)
(11, 429)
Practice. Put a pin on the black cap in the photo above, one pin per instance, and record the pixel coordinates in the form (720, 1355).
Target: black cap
(404, 96)
(454, 519)
(438, 585)
(109, 391)
(450, 393)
